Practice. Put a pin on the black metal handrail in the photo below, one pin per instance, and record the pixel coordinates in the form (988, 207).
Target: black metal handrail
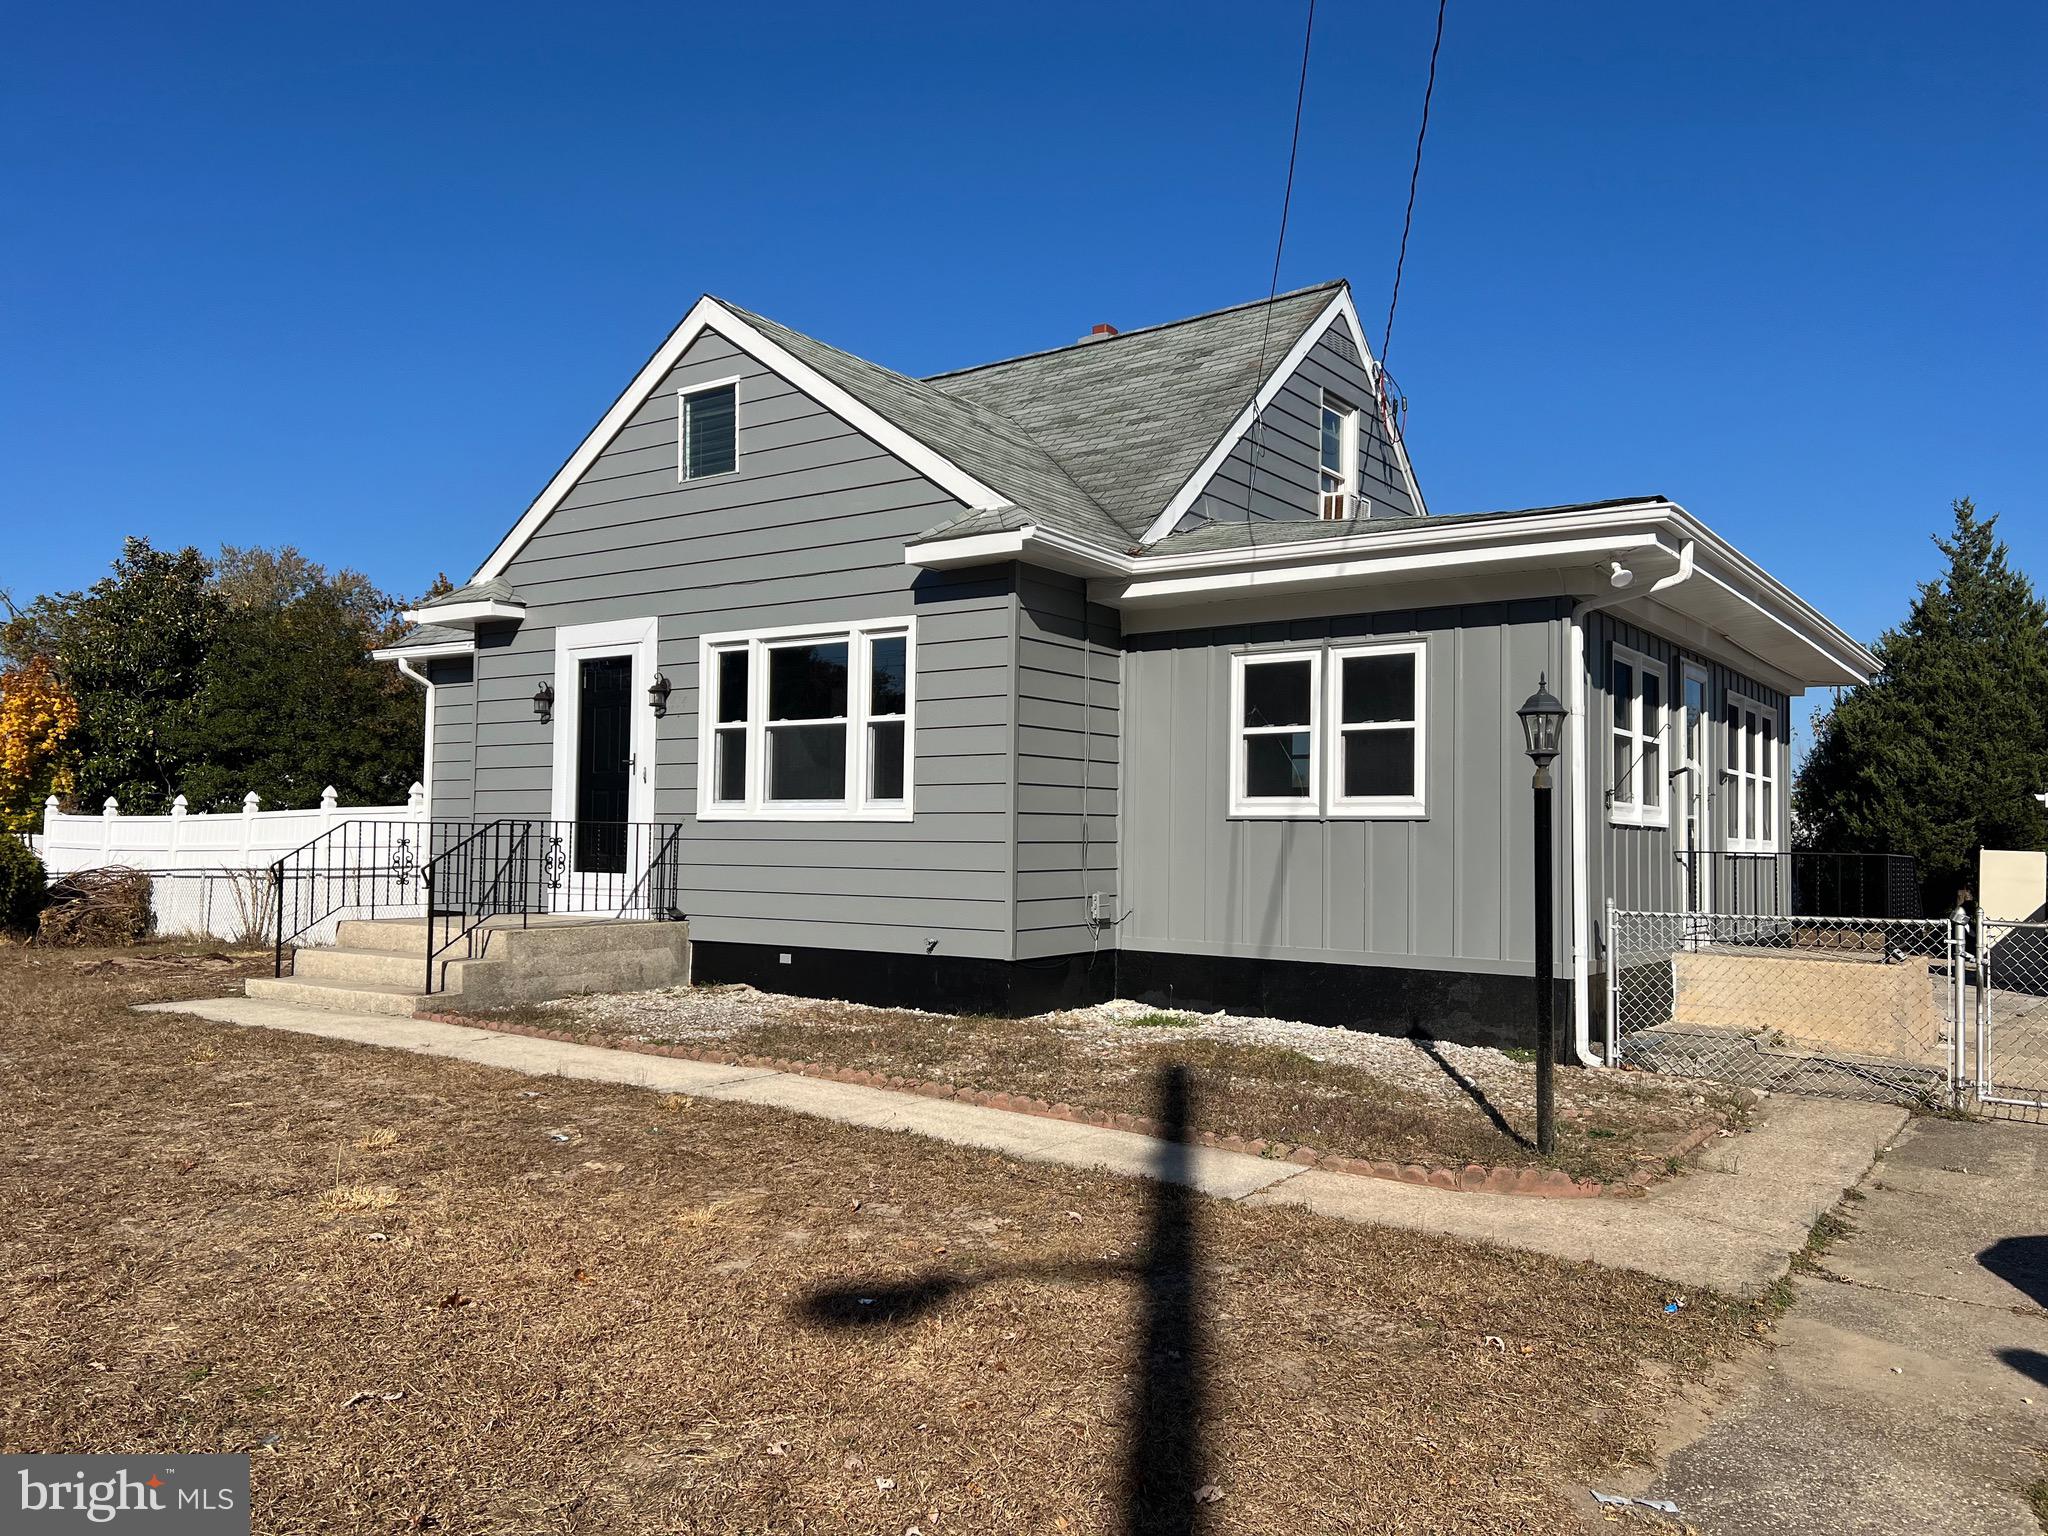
(357, 865)
(528, 868)
(1802, 883)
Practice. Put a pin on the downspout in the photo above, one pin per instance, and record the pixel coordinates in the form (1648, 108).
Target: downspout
(1575, 703)
(427, 747)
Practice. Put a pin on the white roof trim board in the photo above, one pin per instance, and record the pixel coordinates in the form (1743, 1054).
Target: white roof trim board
(707, 314)
(1340, 307)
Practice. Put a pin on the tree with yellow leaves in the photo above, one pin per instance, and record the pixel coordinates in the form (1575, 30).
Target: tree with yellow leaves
(37, 717)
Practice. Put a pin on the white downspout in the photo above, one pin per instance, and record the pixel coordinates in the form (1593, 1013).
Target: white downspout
(427, 748)
(1575, 704)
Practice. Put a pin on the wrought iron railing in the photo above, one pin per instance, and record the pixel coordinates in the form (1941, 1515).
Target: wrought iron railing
(523, 869)
(356, 869)
(1803, 883)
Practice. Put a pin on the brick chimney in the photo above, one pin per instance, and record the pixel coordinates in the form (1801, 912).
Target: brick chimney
(1100, 333)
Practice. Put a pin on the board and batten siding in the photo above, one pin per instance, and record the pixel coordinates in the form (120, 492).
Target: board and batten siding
(454, 746)
(1638, 866)
(1273, 472)
(810, 528)
(1069, 675)
(1450, 891)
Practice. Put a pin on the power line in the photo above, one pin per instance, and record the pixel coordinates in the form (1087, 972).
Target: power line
(1308, 34)
(1414, 176)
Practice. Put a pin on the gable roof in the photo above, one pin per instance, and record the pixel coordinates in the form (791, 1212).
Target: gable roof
(1132, 416)
(1105, 440)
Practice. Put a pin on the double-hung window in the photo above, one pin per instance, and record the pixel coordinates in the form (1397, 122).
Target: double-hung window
(807, 723)
(1337, 461)
(1638, 690)
(1749, 776)
(707, 429)
(1337, 732)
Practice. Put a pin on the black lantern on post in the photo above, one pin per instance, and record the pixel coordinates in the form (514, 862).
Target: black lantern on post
(544, 702)
(657, 695)
(1542, 718)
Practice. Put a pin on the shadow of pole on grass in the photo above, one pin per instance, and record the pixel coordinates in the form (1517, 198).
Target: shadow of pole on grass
(1475, 1093)
(1163, 1460)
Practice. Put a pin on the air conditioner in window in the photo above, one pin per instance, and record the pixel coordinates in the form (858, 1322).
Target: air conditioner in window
(1338, 506)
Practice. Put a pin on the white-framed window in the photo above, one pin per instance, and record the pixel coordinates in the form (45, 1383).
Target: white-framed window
(1378, 745)
(1275, 710)
(1749, 774)
(1639, 693)
(708, 429)
(1337, 461)
(807, 723)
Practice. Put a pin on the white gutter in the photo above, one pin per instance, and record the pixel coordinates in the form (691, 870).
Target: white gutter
(1575, 706)
(427, 747)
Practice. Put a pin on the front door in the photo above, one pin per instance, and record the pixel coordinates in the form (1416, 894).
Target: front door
(595, 843)
(604, 765)
(1694, 824)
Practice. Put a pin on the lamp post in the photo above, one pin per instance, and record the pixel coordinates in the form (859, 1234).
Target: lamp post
(1542, 730)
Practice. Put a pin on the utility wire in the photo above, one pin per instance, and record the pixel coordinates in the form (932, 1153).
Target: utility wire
(1308, 34)
(1414, 176)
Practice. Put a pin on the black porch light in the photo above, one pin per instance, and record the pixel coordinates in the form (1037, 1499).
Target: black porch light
(657, 695)
(544, 702)
(1542, 719)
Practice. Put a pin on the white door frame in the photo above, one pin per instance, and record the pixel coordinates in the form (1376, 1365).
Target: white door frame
(575, 643)
(1696, 808)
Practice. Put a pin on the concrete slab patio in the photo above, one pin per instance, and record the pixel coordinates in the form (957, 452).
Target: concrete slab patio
(1731, 1226)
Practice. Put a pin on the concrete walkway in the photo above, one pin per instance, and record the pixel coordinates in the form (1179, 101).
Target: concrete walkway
(1908, 1387)
(1729, 1227)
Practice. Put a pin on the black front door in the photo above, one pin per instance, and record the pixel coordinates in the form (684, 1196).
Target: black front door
(604, 763)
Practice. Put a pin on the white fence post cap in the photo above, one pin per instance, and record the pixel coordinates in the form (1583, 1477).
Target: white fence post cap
(111, 806)
(53, 804)
(251, 800)
(328, 798)
(178, 806)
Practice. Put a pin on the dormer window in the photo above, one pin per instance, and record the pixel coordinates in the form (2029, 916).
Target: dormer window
(1338, 455)
(707, 430)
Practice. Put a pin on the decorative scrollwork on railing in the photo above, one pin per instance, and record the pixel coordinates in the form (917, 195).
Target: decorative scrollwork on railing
(554, 863)
(404, 861)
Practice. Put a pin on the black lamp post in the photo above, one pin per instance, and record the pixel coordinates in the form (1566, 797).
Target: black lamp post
(1542, 731)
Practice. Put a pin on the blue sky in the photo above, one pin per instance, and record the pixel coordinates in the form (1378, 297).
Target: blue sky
(358, 278)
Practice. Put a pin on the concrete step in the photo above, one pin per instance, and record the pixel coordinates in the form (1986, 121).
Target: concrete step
(403, 935)
(337, 996)
(370, 967)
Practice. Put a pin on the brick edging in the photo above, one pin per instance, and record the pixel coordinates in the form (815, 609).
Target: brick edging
(1479, 1178)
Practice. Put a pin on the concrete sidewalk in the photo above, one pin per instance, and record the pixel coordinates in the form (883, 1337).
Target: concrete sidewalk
(1731, 1226)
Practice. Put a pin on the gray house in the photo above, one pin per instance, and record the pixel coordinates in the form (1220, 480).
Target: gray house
(1137, 666)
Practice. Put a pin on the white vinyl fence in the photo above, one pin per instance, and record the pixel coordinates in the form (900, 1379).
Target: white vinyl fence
(210, 873)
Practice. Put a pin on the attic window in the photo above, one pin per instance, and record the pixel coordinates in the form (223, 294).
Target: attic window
(707, 441)
(1337, 455)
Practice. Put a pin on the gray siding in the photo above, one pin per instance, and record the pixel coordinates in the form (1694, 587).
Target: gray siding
(1272, 473)
(1454, 887)
(454, 755)
(1639, 866)
(1069, 676)
(810, 527)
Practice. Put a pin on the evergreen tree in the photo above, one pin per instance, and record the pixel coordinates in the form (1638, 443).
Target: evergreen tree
(1941, 753)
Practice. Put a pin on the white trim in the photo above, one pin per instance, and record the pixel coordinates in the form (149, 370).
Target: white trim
(1287, 807)
(1698, 779)
(405, 653)
(1347, 470)
(1636, 811)
(708, 314)
(859, 635)
(458, 614)
(573, 643)
(683, 475)
(1379, 807)
(1340, 307)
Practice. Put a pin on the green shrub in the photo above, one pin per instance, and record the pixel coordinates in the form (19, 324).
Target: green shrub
(22, 885)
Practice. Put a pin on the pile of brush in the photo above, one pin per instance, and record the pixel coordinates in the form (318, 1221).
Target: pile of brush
(104, 907)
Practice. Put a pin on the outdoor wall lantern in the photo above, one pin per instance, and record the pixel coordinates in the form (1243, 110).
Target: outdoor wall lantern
(657, 695)
(1542, 719)
(544, 702)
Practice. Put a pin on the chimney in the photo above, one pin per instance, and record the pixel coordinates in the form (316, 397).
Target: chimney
(1100, 333)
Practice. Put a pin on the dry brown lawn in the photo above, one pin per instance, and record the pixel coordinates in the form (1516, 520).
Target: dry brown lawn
(1609, 1124)
(430, 1295)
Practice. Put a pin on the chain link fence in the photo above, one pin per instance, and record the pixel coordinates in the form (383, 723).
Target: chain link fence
(2009, 1058)
(1855, 1007)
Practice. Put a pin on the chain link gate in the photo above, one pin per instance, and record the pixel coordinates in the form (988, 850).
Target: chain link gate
(2010, 1079)
(1855, 1007)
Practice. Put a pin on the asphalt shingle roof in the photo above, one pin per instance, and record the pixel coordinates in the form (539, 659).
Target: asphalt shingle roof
(421, 635)
(1239, 535)
(1131, 417)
